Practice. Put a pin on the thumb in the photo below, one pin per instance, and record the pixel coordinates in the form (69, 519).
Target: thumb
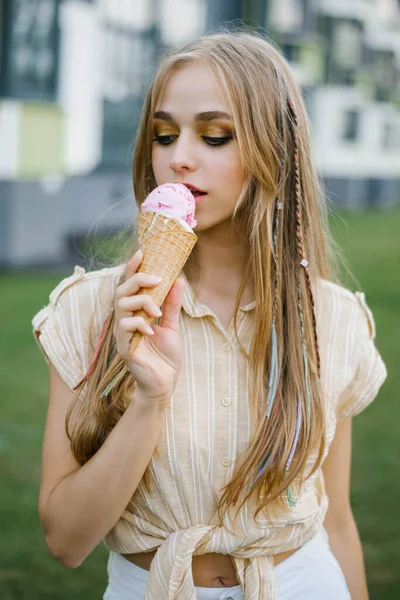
(172, 306)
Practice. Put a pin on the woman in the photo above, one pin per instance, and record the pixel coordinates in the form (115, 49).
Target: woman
(215, 462)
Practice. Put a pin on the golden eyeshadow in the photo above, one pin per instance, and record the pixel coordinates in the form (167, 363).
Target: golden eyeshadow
(165, 131)
(161, 129)
(216, 131)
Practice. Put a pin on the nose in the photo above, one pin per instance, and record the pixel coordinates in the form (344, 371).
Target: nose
(183, 156)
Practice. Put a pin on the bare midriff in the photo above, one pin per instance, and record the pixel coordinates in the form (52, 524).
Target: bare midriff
(209, 570)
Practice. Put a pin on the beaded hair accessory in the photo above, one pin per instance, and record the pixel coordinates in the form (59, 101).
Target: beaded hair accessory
(303, 263)
(302, 257)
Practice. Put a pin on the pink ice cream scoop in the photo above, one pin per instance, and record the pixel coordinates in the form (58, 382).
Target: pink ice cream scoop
(173, 198)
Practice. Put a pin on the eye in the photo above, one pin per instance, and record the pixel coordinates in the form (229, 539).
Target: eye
(217, 141)
(165, 139)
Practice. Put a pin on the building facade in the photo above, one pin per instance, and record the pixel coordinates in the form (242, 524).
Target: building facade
(72, 79)
(346, 56)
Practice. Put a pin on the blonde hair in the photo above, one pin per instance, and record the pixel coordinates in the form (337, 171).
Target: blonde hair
(272, 135)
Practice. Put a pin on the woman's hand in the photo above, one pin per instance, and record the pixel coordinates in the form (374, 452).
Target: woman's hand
(156, 362)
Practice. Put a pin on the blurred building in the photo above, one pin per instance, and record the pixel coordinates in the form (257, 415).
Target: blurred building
(72, 78)
(346, 55)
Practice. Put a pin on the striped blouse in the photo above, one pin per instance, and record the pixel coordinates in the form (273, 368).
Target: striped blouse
(207, 426)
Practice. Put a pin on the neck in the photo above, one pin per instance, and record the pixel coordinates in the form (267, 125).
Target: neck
(217, 264)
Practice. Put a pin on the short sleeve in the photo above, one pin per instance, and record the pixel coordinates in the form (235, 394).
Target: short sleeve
(57, 330)
(369, 369)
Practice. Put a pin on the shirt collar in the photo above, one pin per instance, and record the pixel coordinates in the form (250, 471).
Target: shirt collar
(193, 307)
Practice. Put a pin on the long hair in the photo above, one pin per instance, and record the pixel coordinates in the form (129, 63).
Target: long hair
(283, 212)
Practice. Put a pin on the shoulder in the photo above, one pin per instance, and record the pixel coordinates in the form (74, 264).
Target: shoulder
(325, 288)
(347, 308)
(83, 284)
(68, 327)
(83, 290)
(354, 369)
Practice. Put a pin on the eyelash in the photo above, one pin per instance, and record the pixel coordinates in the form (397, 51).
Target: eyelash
(216, 141)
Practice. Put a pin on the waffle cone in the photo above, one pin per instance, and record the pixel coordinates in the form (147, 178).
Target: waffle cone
(166, 246)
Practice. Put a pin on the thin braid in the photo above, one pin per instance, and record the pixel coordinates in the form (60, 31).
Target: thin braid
(299, 235)
(278, 208)
(304, 263)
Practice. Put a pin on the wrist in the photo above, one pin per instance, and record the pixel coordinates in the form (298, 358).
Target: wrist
(140, 401)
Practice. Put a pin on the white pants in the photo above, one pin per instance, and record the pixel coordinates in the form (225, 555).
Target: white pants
(310, 573)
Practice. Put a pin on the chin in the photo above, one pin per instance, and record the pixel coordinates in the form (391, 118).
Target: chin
(204, 224)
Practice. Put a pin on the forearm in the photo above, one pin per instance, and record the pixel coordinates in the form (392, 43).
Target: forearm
(85, 506)
(346, 546)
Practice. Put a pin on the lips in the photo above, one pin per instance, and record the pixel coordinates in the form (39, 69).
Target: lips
(194, 190)
(197, 193)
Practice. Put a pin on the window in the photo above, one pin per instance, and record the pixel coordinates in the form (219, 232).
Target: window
(345, 48)
(383, 71)
(351, 125)
(347, 45)
(130, 45)
(289, 15)
(29, 49)
(390, 135)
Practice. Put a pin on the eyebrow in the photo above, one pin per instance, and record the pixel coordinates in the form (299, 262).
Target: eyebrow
(211, 115)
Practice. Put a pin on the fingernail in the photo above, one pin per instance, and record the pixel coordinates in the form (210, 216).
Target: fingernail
(156, 279)
(158, 312)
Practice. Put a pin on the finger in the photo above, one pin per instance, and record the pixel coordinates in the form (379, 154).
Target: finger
(135, 283)
(133, 264)
(129, 325)
(130, 304)
(172, 306)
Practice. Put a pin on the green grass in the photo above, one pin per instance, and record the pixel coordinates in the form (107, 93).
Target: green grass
(27, 569)
(371, 243)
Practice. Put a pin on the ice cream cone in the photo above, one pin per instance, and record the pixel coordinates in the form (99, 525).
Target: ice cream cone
(166, 244)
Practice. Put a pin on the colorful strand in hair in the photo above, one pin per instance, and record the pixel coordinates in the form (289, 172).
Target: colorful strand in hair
(289, 496)
(274, 371)
(96, 352)
(119, 377)
(115, 379)
(274, 368)
(303, 268)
